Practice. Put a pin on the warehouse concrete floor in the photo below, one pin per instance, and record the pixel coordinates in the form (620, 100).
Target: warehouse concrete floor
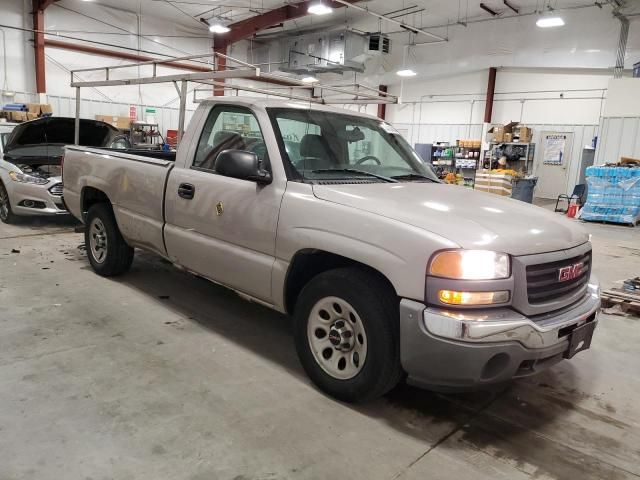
(160, 375)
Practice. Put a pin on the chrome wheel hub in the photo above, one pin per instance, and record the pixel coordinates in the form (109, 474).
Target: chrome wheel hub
(98, 240)
(337, 337)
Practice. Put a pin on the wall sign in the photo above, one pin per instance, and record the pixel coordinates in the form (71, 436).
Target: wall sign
(554, 149)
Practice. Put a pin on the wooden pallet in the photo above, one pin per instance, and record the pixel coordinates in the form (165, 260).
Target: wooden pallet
(629, 302)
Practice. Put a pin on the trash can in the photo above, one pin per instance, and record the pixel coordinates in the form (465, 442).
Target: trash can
(523, 189)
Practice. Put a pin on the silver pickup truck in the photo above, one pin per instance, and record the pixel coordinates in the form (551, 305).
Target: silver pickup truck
(330, 216)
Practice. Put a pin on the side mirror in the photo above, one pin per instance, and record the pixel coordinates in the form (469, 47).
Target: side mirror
(241, 164)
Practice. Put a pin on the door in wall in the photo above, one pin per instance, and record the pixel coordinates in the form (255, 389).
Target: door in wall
(552, 165)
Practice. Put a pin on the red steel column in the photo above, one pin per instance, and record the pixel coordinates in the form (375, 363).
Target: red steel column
(38, 45)
(382, 107)
(491, 88)
(220, 64)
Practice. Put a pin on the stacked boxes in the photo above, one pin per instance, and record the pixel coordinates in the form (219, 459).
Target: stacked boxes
(511, 132)
(613, 195)
(22, 112)
(498, 183)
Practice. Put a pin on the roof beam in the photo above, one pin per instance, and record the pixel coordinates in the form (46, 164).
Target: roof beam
(249, 27)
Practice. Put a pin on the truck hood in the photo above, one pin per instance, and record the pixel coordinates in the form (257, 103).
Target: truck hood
(473, 220)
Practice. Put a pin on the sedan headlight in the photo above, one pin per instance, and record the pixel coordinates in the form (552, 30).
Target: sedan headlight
(470, 265)
(24, 178)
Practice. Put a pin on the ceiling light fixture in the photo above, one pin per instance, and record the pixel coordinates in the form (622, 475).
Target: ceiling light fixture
(406, 72)
(548, 22)
(319, 8)
(309, 79)
(218, 28)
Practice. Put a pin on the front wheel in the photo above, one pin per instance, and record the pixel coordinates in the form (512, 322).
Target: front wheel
(108, 253)
(6, 214)
(346, 333)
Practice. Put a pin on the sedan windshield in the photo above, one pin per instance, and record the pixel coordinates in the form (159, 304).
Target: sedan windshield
(330, 146)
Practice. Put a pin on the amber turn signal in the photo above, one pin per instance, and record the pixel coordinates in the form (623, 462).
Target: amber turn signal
(452, 297)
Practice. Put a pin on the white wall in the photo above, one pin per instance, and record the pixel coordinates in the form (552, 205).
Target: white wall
(620, 124)
(19, 51)
(527, 96)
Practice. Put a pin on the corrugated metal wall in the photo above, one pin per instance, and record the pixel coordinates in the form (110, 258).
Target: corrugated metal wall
(619, 137)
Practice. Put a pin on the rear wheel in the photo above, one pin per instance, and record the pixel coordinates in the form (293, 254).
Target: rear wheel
(108, 253)
(6, 214)
(346, 333)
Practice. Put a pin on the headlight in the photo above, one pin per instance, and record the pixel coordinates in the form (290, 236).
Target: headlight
(24, 178)
(470, 265)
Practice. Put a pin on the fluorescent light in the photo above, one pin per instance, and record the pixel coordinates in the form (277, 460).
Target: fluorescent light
(406, 72)
(319, 8)
(547, 22)
(309, 79)
(218, 28)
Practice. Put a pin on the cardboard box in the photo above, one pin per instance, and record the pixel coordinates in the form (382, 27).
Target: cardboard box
(629, 161)
(497, 183)
(524, 134)
(499, 131)
(45, 109)
(123, 123)
(19, 116)
(33, 108)
(31, 116)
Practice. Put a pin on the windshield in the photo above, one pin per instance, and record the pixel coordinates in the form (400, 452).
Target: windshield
(332, 146)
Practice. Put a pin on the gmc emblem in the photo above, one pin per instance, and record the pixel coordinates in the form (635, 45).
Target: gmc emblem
(570, 272)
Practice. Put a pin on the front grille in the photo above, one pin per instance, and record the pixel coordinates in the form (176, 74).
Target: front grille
(56, 189)
(544, 283)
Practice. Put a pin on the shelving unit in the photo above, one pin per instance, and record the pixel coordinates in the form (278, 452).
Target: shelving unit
(527, 156)
(455, 159)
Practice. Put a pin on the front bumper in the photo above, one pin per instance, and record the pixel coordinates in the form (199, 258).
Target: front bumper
(32, 199)
(468, 349)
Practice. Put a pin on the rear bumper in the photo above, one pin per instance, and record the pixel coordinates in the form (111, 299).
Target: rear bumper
(453, 349)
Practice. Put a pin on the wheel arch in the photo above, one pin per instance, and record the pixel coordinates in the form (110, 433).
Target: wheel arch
(91, 196)
(307, 263)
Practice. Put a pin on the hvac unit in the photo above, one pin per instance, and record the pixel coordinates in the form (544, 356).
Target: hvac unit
(379, 44)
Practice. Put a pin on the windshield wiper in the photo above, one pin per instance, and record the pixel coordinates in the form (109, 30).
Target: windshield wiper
(355, 170)
(410, 176)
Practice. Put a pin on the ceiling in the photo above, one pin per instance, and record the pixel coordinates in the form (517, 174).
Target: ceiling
(418, 13)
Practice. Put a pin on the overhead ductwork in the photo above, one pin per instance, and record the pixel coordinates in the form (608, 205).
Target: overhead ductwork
(337, 51)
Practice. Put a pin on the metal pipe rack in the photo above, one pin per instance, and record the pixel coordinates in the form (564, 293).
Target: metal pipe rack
(234, 69)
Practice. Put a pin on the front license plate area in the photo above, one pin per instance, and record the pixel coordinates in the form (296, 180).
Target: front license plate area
(580, 339)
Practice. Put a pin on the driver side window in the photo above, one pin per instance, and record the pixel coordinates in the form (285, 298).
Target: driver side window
(229, 128)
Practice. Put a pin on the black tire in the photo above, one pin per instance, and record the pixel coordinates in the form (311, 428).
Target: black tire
(378, 309)
(118, 256)
(6, 214)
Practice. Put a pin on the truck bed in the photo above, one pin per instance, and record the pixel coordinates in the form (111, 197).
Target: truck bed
(133, 182)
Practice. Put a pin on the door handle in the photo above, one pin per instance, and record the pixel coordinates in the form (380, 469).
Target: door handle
(186, 190)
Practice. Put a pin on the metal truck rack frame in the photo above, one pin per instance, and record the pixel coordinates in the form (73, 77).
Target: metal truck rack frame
(234, 69)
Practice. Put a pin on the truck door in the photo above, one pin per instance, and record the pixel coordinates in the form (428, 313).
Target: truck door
(220, 227)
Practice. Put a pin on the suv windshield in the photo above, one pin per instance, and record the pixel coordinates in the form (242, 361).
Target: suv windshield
(321, 145)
